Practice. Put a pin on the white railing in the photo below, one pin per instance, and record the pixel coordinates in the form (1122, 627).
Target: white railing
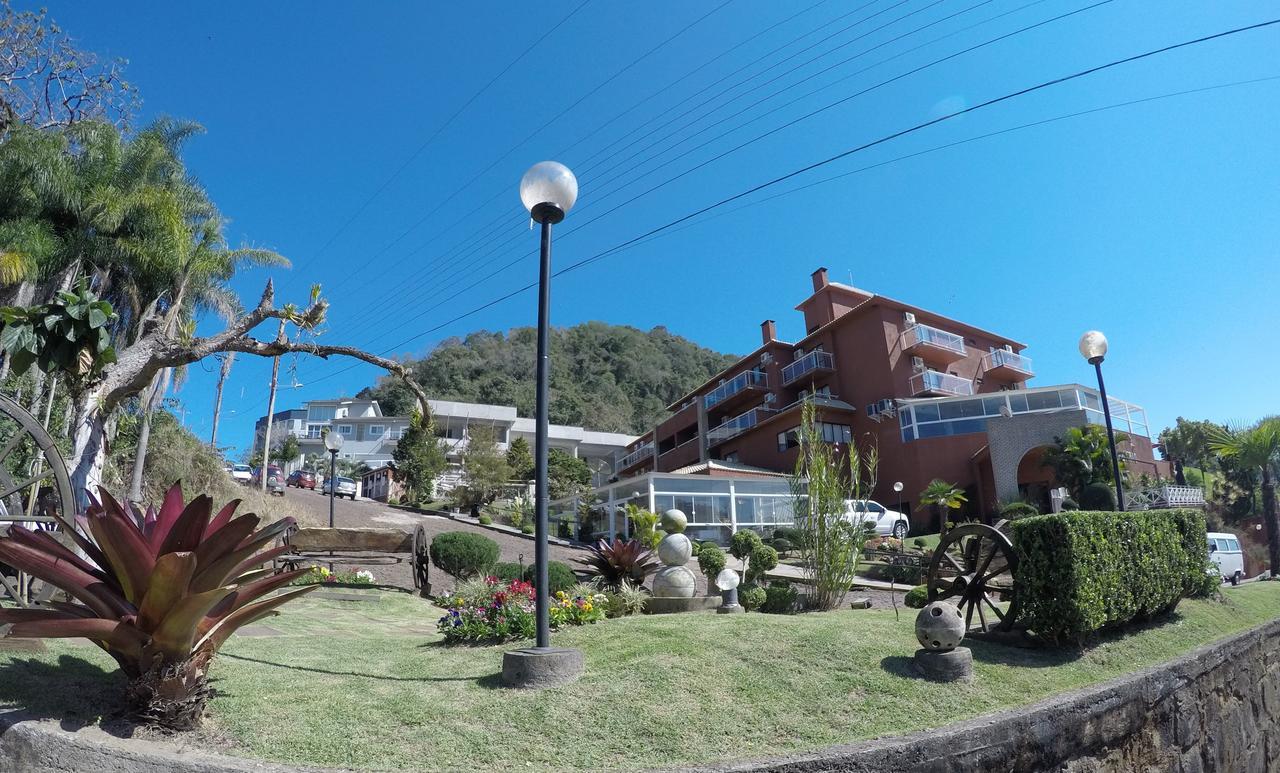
(1001, 358)
(935, 381)
(737, 425)
(636, 455)
(807, 364)
(924, 334)
(1164, 496)
(735, 385)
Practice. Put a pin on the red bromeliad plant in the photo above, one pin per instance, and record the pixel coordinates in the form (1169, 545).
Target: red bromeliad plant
(160, 591)
(616, 561)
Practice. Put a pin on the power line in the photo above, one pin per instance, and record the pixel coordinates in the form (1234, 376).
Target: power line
(439, 129)
(831, 159)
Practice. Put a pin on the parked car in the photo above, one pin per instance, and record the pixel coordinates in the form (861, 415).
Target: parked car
(346, 487)
(886, 522)
(241, 473)
(275, 483)
(273, 469)
(1225, 553)
(302, 479)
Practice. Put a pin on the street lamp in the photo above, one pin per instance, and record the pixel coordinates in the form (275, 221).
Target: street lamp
(1093, 347)
(548, 190)
(333, 442)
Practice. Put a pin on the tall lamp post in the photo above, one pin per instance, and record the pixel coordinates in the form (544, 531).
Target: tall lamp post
(333, 442)
(1093, 347)
(548, 190)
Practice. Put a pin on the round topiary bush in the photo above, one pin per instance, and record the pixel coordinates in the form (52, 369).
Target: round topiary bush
(711, 559)
(463, 554)
(917, 597)
(1069, 504)
(1015, 510)
(485, 519)
(507, 571)
(559, 576)
(763, 558)
(752, 597)
(743, 543)
(1100, 497)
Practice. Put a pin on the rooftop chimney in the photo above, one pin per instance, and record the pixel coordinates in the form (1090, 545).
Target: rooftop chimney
(819, 279)
(768, 331)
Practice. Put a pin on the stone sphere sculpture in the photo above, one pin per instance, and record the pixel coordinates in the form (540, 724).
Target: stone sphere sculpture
(674, 580)
(940, 627)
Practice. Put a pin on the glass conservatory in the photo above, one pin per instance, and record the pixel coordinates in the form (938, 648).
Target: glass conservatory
(716, 507)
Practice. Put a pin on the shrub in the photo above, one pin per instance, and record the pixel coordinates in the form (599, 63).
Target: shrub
(616, 561)
(919, 543)
(783, 546)
(790, 534)
(488, 611)
(1015, 510)
(1099, 497)
(628, 599)
(644, 526)
(1069, 504)
(711, 560)
(1080, 572)
(763, 558)
(485, 519)
(751, 597)
(743, 543)
(506, 571)
(917, 597)
(463, 554)
(528, 528)
(560, 576)
(780, 599)
(1207, 587)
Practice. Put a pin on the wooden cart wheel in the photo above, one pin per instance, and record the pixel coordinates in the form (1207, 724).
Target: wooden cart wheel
(972, 566)
(421, 560)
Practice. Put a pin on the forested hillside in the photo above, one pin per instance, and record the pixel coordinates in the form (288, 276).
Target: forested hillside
(603, 377)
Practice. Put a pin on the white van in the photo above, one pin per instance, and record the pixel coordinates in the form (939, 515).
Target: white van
(1225, 553)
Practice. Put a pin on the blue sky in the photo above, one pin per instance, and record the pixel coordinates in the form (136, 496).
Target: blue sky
(1154, 222)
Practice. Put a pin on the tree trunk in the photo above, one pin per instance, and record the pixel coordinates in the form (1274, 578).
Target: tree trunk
(172, 695)
(89, 448)
(217, 400)
(159, 386)
(271, 409)
(1272, 518)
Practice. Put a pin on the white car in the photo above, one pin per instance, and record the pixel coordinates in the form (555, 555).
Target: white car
(240, 473)
(1225, 553)
(346, 487)
(886, 522)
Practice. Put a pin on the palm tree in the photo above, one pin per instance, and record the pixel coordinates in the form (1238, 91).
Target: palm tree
(1256, 448)
(942, 497)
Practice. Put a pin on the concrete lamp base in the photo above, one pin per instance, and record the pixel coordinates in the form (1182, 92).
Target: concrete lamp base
(945, 665)
(535, 668)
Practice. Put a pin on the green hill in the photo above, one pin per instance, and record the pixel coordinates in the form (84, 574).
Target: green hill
(603, 377)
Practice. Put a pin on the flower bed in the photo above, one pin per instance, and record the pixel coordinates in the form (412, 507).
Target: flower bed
(320, 575)
(493, 611)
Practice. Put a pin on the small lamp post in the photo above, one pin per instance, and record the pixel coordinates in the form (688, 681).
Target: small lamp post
(727, 582)
(548, 190)
(333, 442)
(897, 487)
(1093, 347)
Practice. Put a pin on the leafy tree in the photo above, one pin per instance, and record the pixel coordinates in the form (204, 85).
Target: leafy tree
(1258, 448)
(941, 498)
(567, 475)
(520, 459)
(1188, 442)
(419, 458)
(1081, 458)
(606, 377)
(484, 469)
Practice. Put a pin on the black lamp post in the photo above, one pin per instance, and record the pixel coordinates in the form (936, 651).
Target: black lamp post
(1093, 347)
(333, 442)
(548, 191)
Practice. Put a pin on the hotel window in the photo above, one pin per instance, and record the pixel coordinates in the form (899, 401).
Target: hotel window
(315, 431)
(836, 433)
(344, 429)
(375, 430)
(322, 413)
(788, 439)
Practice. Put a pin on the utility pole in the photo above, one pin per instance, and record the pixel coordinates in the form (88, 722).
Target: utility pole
(217, 401)
(271, 409)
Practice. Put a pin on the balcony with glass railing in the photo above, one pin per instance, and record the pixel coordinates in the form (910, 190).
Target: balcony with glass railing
(738, 424)
(1005, 364)
(812, 364)
(933, 344)
(932, 383)
(744, 384)
(644, 451)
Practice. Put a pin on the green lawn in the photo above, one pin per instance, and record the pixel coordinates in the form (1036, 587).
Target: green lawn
(367, 685)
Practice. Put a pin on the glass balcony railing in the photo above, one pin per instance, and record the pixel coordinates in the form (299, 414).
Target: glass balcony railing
(1006, 359)
(932, 382)
(808, 364)
(737, 425)
(920, 334)
(735, 385)
(644, 451)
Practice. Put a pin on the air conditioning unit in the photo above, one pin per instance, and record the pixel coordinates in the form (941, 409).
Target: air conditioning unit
(766, 358)
(908, 318)
(917, 364)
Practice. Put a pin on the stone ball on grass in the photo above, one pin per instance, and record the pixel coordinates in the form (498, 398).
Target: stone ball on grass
(940, 626)
(674, 582)
(675, 550)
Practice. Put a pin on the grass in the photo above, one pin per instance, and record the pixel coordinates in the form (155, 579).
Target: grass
(368, 685)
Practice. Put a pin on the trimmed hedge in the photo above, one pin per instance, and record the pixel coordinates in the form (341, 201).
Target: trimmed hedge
(560, 576)
(1081, 572)
(464, 554)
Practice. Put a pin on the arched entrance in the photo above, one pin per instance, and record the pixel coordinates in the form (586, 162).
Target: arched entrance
(1035, 480)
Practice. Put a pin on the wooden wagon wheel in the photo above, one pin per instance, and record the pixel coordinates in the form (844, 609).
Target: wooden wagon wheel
(972, 565)
(421, 558)
(35, 490)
